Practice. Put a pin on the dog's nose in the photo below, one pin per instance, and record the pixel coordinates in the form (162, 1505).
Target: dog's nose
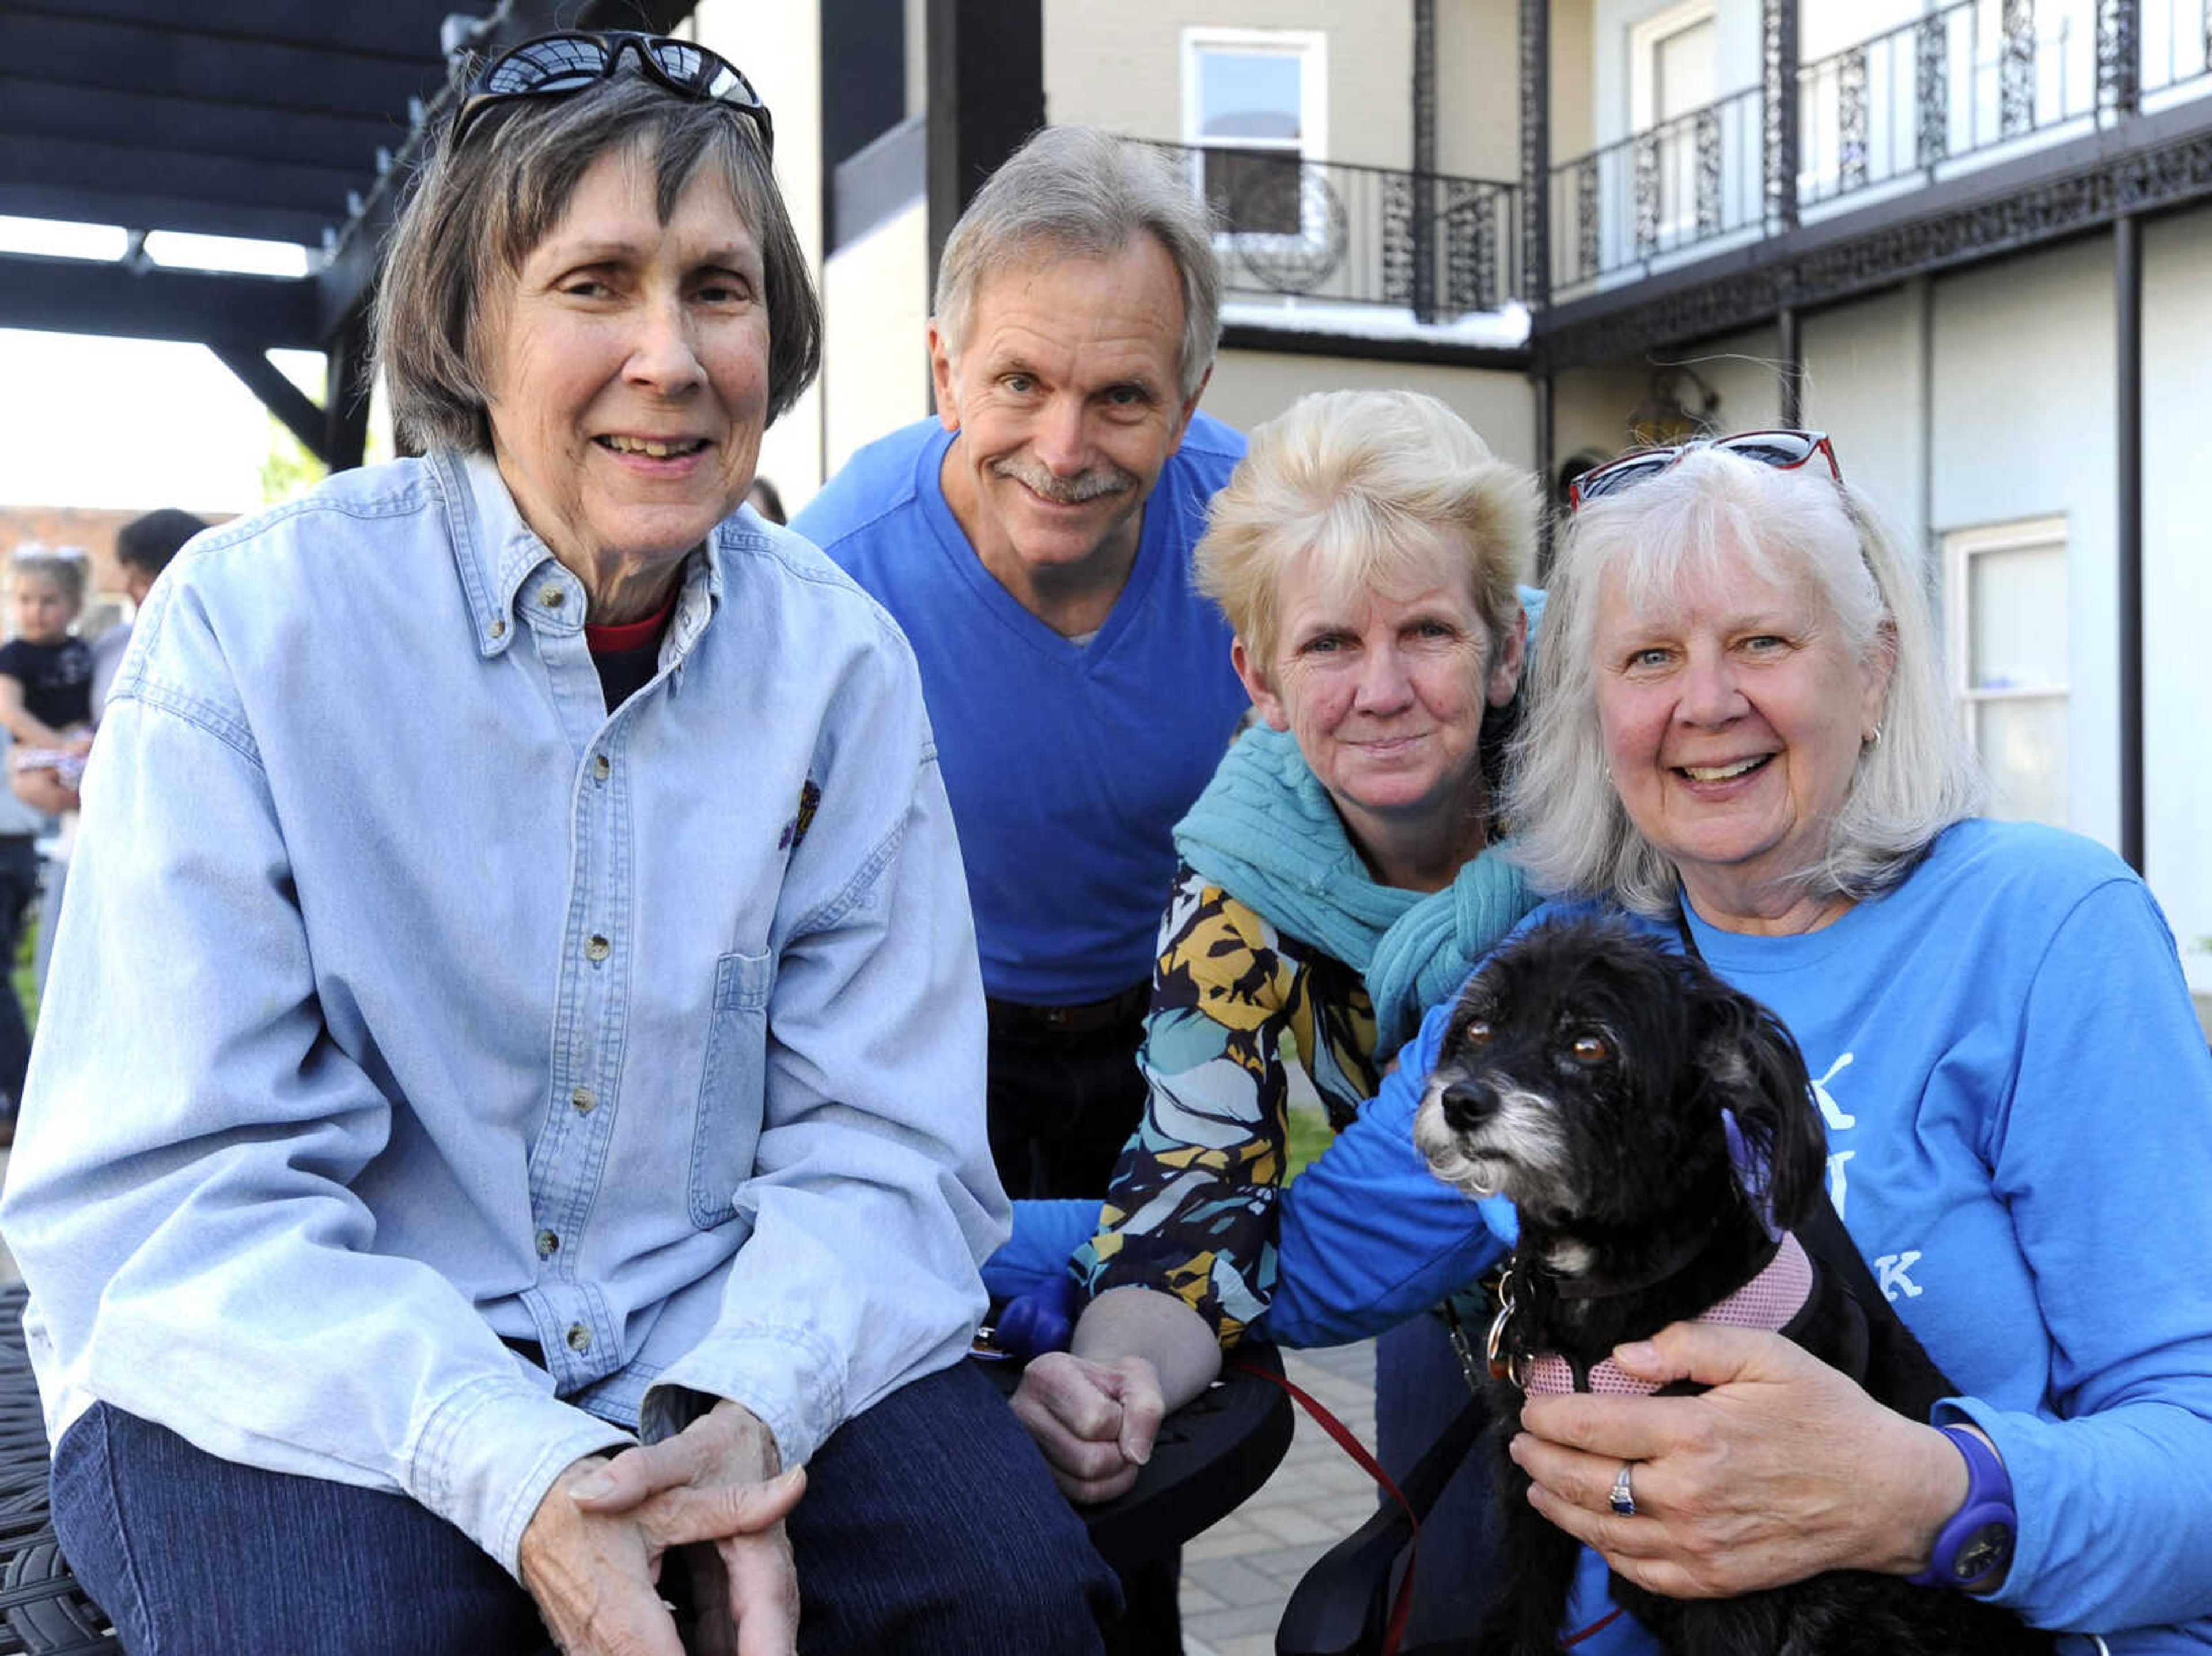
(1467, 1104)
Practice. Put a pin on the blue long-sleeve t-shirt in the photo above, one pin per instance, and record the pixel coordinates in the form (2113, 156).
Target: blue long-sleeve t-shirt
(2018, 1105)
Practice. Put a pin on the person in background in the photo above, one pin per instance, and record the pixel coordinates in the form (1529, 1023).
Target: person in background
(1034, 542)
(1741, 740)
(764, 499)
(470, 845)
(46, 670)
(1340, 872)
(143, 548)
(20, 828)
(47, 709)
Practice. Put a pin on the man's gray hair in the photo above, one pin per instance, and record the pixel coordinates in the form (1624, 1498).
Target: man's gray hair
(1075, 190)
(1913, 779)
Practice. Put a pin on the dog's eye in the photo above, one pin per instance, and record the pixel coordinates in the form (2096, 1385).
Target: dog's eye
(1590, 1049)
(1475, 1031)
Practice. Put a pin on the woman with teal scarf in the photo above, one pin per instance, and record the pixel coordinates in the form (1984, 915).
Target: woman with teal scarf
(1339, 874)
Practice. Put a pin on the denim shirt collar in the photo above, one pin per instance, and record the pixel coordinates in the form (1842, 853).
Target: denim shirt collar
(510, 575)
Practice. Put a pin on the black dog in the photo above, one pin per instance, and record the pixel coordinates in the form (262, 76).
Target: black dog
(1656, 1131)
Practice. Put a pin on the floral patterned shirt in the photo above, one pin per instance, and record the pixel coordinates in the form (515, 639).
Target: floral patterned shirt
(1244, 1022)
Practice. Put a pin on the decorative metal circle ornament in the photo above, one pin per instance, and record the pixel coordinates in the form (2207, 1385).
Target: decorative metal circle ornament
(1309, 246)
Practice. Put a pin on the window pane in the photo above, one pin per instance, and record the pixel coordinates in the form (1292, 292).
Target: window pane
(1248, 94)
(2018, 601)
(1253, 191)
(1682, 71)
(2023, 743)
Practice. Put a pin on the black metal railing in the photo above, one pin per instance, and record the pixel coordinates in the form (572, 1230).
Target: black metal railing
(1438, 245)
(1911, 104)
(1687, 180)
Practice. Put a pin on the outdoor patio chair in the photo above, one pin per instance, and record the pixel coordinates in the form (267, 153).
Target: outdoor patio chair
(1212, 1455)
(43, 1610)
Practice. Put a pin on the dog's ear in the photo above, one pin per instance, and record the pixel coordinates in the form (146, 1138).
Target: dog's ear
(1754, 1070)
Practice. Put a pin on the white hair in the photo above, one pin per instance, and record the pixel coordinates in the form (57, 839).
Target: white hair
(1713, 508)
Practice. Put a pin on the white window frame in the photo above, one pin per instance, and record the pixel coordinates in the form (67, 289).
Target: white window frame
(1310, 48)
(1961, 548)
(1643, 37)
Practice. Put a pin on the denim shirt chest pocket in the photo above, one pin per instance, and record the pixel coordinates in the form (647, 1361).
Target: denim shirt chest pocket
(733, 1085)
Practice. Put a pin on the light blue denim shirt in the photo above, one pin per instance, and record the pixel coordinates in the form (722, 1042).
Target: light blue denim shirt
(404, 1000)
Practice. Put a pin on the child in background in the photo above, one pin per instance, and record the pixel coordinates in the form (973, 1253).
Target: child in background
(45, 671)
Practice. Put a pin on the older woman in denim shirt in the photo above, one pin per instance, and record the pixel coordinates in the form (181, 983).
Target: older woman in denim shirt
(511, 1093)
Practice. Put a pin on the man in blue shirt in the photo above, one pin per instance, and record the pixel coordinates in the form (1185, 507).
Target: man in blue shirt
(1034, 543)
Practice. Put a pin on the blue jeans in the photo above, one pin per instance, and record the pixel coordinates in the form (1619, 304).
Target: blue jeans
(929, 1525)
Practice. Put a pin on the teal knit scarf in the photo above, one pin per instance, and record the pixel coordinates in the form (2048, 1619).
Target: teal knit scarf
(1264, 832)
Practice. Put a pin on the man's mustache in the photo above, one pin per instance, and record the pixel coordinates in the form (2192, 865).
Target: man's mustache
(1066, 491)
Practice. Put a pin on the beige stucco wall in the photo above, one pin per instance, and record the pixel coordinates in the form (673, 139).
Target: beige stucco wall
(875, 374)
(1250, 387)
(1574, 84)
(1478, 88)
(1120, 67)
(781, 48)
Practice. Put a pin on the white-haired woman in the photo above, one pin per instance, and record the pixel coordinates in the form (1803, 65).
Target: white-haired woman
(1742, 737)
(1340, 872)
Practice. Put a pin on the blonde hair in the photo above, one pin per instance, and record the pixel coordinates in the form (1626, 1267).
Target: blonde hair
(1713, 510)
(1361, 484)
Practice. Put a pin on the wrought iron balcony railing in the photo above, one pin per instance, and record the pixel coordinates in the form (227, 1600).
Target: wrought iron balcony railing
(1434, 245)
(1909, 105)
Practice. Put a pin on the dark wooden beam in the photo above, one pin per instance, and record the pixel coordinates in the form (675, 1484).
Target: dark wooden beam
(986, 95)
(69, 295)
(278, 395)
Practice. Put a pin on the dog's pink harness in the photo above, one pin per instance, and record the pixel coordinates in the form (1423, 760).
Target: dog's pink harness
(1771, 1300)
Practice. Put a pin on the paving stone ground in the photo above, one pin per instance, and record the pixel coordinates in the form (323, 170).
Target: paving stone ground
(1237, 1576)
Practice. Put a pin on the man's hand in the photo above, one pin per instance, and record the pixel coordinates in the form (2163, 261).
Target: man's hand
(1094, 1420)
(714, 1489)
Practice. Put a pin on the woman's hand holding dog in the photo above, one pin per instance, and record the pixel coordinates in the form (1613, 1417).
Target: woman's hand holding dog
(1785, 1468)
(591, 1554)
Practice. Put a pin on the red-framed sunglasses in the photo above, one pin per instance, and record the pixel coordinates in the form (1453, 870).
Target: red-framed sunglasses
(560, 64)
(1785, 451)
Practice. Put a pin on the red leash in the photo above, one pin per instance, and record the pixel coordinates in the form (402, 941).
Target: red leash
(1347, 1440)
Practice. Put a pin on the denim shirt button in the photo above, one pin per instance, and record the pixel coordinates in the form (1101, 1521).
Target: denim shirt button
(580, 1338)
(600, 766)
(552, 597)
(549, 1243)
(584, 1099)
(597, 948)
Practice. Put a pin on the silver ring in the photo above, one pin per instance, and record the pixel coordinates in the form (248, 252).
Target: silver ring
(1624, 1498)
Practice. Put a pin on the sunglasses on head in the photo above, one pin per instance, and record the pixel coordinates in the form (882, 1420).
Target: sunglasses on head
(558, 65)
(1785, 451)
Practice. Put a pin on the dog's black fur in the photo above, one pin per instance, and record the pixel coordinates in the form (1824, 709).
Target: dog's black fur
(1583, 1074)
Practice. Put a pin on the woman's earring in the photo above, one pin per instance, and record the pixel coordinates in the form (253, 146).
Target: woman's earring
(1873, 741)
